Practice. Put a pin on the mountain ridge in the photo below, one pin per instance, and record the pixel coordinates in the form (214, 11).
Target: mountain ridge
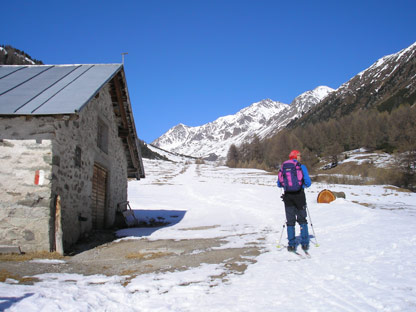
(212, 140)
(13, 56)
(386, 84)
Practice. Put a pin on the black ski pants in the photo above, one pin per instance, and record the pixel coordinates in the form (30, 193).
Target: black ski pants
(295, 207)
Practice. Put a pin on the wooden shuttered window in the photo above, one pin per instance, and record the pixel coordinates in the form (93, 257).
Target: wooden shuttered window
(98, 202)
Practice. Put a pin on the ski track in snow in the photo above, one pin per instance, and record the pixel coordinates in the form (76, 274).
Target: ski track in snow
(364, 262)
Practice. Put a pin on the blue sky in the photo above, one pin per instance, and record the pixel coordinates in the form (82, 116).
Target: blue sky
(192, 61)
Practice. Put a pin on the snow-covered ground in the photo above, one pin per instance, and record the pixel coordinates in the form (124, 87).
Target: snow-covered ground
(364, 262)
(360, 156)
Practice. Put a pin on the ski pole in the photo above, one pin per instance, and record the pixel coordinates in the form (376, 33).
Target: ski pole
(313, 230)
(281, 234)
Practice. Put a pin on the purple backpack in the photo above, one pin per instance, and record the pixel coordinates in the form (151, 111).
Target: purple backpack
(291, 176)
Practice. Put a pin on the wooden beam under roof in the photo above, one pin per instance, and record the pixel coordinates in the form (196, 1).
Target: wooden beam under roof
(125, 122)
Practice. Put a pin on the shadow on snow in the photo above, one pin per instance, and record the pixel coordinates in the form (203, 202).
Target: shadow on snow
(152, 220)
(7, 302)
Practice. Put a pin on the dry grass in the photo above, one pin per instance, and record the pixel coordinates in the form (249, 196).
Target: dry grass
(350, 168)
(4, 275)
(339, 179)
(362, 174)
(148, 255)
(398, 189)
(184, 168)
(30, 256)
(362, 204)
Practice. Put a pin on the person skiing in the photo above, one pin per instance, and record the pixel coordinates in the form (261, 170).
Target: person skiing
(294, 177)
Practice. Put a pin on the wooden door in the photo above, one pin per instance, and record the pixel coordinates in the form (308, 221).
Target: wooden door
(98, 202)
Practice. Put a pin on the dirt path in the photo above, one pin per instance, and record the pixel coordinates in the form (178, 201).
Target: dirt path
(102, 254)
(135, 257)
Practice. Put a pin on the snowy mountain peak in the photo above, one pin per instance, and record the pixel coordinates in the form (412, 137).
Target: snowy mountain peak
(212, 140)
(315, 95)
(265, 108)
(306, 100)
(383, 65)
(268, 103)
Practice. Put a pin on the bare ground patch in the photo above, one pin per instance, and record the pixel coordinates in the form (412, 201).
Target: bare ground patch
(136, 256)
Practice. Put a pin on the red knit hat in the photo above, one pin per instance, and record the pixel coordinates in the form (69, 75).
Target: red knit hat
(294, 154)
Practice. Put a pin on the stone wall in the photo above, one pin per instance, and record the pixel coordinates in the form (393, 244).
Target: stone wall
(54, 145)
(74, 184)
(25, 206)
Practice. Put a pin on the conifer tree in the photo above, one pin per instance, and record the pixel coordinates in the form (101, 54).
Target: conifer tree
(232, 157)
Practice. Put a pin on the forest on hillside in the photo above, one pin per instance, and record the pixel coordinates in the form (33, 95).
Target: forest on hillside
(12, 56)
(392, 132)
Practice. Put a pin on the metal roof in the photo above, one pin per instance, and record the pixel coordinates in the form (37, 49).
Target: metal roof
(51, 89)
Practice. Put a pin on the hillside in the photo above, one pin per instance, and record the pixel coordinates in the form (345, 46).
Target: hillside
(385, 85)
(12, 56)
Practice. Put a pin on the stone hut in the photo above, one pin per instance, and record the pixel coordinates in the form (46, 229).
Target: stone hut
(68, 146)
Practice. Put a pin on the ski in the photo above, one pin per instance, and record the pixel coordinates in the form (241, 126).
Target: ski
(307, 254)
(298, 254)
(304, 255)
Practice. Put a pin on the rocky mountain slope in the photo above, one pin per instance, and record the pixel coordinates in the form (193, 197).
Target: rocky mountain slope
(212, 140)
(12, 56)
(388, 83)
